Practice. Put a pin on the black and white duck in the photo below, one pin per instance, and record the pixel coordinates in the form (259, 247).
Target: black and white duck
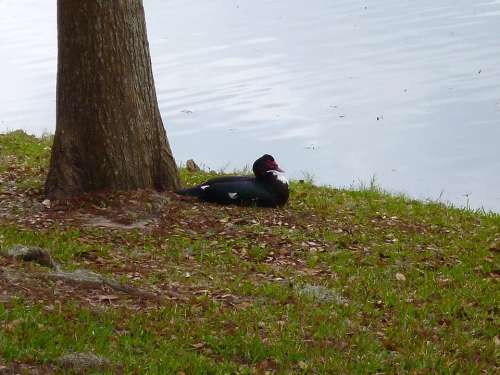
(269, 187)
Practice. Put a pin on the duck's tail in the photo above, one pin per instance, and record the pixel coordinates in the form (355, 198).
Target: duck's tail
(191, 192)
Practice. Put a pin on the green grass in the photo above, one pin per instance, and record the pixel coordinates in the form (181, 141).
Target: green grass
(416, 285)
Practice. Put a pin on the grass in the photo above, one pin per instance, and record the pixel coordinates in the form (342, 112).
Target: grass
(409, 287)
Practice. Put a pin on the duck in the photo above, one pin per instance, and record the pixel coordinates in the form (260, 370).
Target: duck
(267, 188)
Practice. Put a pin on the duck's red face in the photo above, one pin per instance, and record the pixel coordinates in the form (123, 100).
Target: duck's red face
(265, 163)
(273, 166)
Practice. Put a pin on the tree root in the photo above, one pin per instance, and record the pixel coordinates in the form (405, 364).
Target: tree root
(33, 254)
(81, 276)
(93, 280)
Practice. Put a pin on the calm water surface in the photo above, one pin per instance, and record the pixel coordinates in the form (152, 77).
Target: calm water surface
(406, 91)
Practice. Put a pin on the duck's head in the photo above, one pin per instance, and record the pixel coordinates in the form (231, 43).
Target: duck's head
(265, 164)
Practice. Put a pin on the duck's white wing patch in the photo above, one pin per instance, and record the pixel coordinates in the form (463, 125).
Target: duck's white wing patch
(233, 195)
(203, 187)
(279, 176)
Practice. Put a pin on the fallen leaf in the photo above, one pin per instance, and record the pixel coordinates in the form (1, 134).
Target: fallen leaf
(267, 364)
(495, 247)
(400, 277)
(5, 299)
(245, 305)
(302, 365)
(9, 327)
(109, 297)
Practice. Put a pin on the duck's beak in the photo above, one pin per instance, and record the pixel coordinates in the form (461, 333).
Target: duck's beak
(276, 168)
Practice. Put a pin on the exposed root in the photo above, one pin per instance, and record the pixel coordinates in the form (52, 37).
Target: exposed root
(94, 280)
(33, 254)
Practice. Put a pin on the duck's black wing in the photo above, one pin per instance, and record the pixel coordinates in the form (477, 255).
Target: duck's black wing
(233, 190)
(199, 190)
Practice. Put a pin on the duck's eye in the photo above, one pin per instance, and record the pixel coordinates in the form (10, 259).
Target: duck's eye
(271, 164)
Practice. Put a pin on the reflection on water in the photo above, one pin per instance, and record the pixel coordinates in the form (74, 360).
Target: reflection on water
(404, 91)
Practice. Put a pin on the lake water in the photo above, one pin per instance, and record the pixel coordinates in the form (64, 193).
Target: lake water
(406, 91)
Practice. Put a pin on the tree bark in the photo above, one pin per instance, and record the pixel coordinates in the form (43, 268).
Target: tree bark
(109, 132)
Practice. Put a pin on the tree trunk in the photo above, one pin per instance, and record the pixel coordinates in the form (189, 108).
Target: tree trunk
(109, 132)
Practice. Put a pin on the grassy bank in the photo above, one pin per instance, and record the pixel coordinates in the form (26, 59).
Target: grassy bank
(338, 281)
